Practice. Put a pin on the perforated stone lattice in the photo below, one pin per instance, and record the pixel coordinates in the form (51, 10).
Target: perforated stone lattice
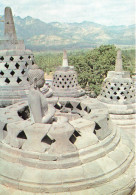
(118, 92)
(65, 80)
(14, 65)
(13, 69)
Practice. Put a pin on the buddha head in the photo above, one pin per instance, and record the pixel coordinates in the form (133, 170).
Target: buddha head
(36, 77)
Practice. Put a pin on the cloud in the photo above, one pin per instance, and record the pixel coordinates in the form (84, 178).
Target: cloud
(107, 12)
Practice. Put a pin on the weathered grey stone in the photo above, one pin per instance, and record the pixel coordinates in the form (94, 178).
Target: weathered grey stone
(35, 133)
(40, 111)
(85, 129)
(61, 131)
(118, 87)
(65, 81)
(14, 63)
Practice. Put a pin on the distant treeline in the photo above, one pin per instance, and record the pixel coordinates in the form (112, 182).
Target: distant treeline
(91, 65)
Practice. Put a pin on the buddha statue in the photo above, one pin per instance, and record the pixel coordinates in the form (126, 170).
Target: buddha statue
(40, 110)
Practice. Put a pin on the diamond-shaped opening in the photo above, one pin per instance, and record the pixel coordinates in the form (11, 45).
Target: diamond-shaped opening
(111, 97)
(24, 113)
(46, 139)
(2, 58)
(5, 127)
(115, 84)
(23, 71)
(1, 73)
(22, 135)
(105, 96)
(69, 105)
(58, 106)
(79, 106)
(87, 109)
(121, 84)
(11, 58)
(18, 80)
(115, 93)
(109, 92)
(118, 88)
(32, 62)
(118, 98)
(131, 96)
(12, 73)
(125, 98)
(97, 127)
(21, 58)
(26, 64)
(29, 57)
(125, 88)
(68, 86)
(7, 80)
(62, 86)
(122, 93)
(7, 65)
(112, 88)
(74, 136)
(17, 65)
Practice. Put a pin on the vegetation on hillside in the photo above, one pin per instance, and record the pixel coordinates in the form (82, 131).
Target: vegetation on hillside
(91, 65)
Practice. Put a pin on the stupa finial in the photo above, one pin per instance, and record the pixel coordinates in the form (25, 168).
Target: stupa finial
(65, 59)
(9, 31)
(118, 65)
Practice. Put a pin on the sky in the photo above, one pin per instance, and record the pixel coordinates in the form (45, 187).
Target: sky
(105, 12)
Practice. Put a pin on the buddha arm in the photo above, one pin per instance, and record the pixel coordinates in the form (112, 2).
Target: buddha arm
(49, 114)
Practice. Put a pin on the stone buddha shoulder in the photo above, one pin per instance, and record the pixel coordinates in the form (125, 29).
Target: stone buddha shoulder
(41, 111)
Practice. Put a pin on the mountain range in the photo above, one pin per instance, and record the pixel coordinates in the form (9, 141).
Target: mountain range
(39, 35)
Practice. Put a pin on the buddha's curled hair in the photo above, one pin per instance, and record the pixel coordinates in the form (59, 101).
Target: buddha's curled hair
(35, 74)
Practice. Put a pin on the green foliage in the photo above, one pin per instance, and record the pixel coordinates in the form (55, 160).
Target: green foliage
(129, 60)
(91, 65)
(48, 61)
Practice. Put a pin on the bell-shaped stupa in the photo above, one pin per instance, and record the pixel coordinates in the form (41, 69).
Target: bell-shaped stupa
(65, 82)
(14, 63)
(118, 87)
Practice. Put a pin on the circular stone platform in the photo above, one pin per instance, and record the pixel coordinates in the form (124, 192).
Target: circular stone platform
(92, 162)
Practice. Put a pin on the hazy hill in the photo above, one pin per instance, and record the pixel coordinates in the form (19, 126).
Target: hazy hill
(39, 35)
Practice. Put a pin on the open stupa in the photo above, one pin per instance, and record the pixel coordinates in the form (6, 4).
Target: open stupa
(45, 149)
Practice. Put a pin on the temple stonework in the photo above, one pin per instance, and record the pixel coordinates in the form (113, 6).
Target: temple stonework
(68, 143)
(14, 63)
(65, 82)
(118, 87)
